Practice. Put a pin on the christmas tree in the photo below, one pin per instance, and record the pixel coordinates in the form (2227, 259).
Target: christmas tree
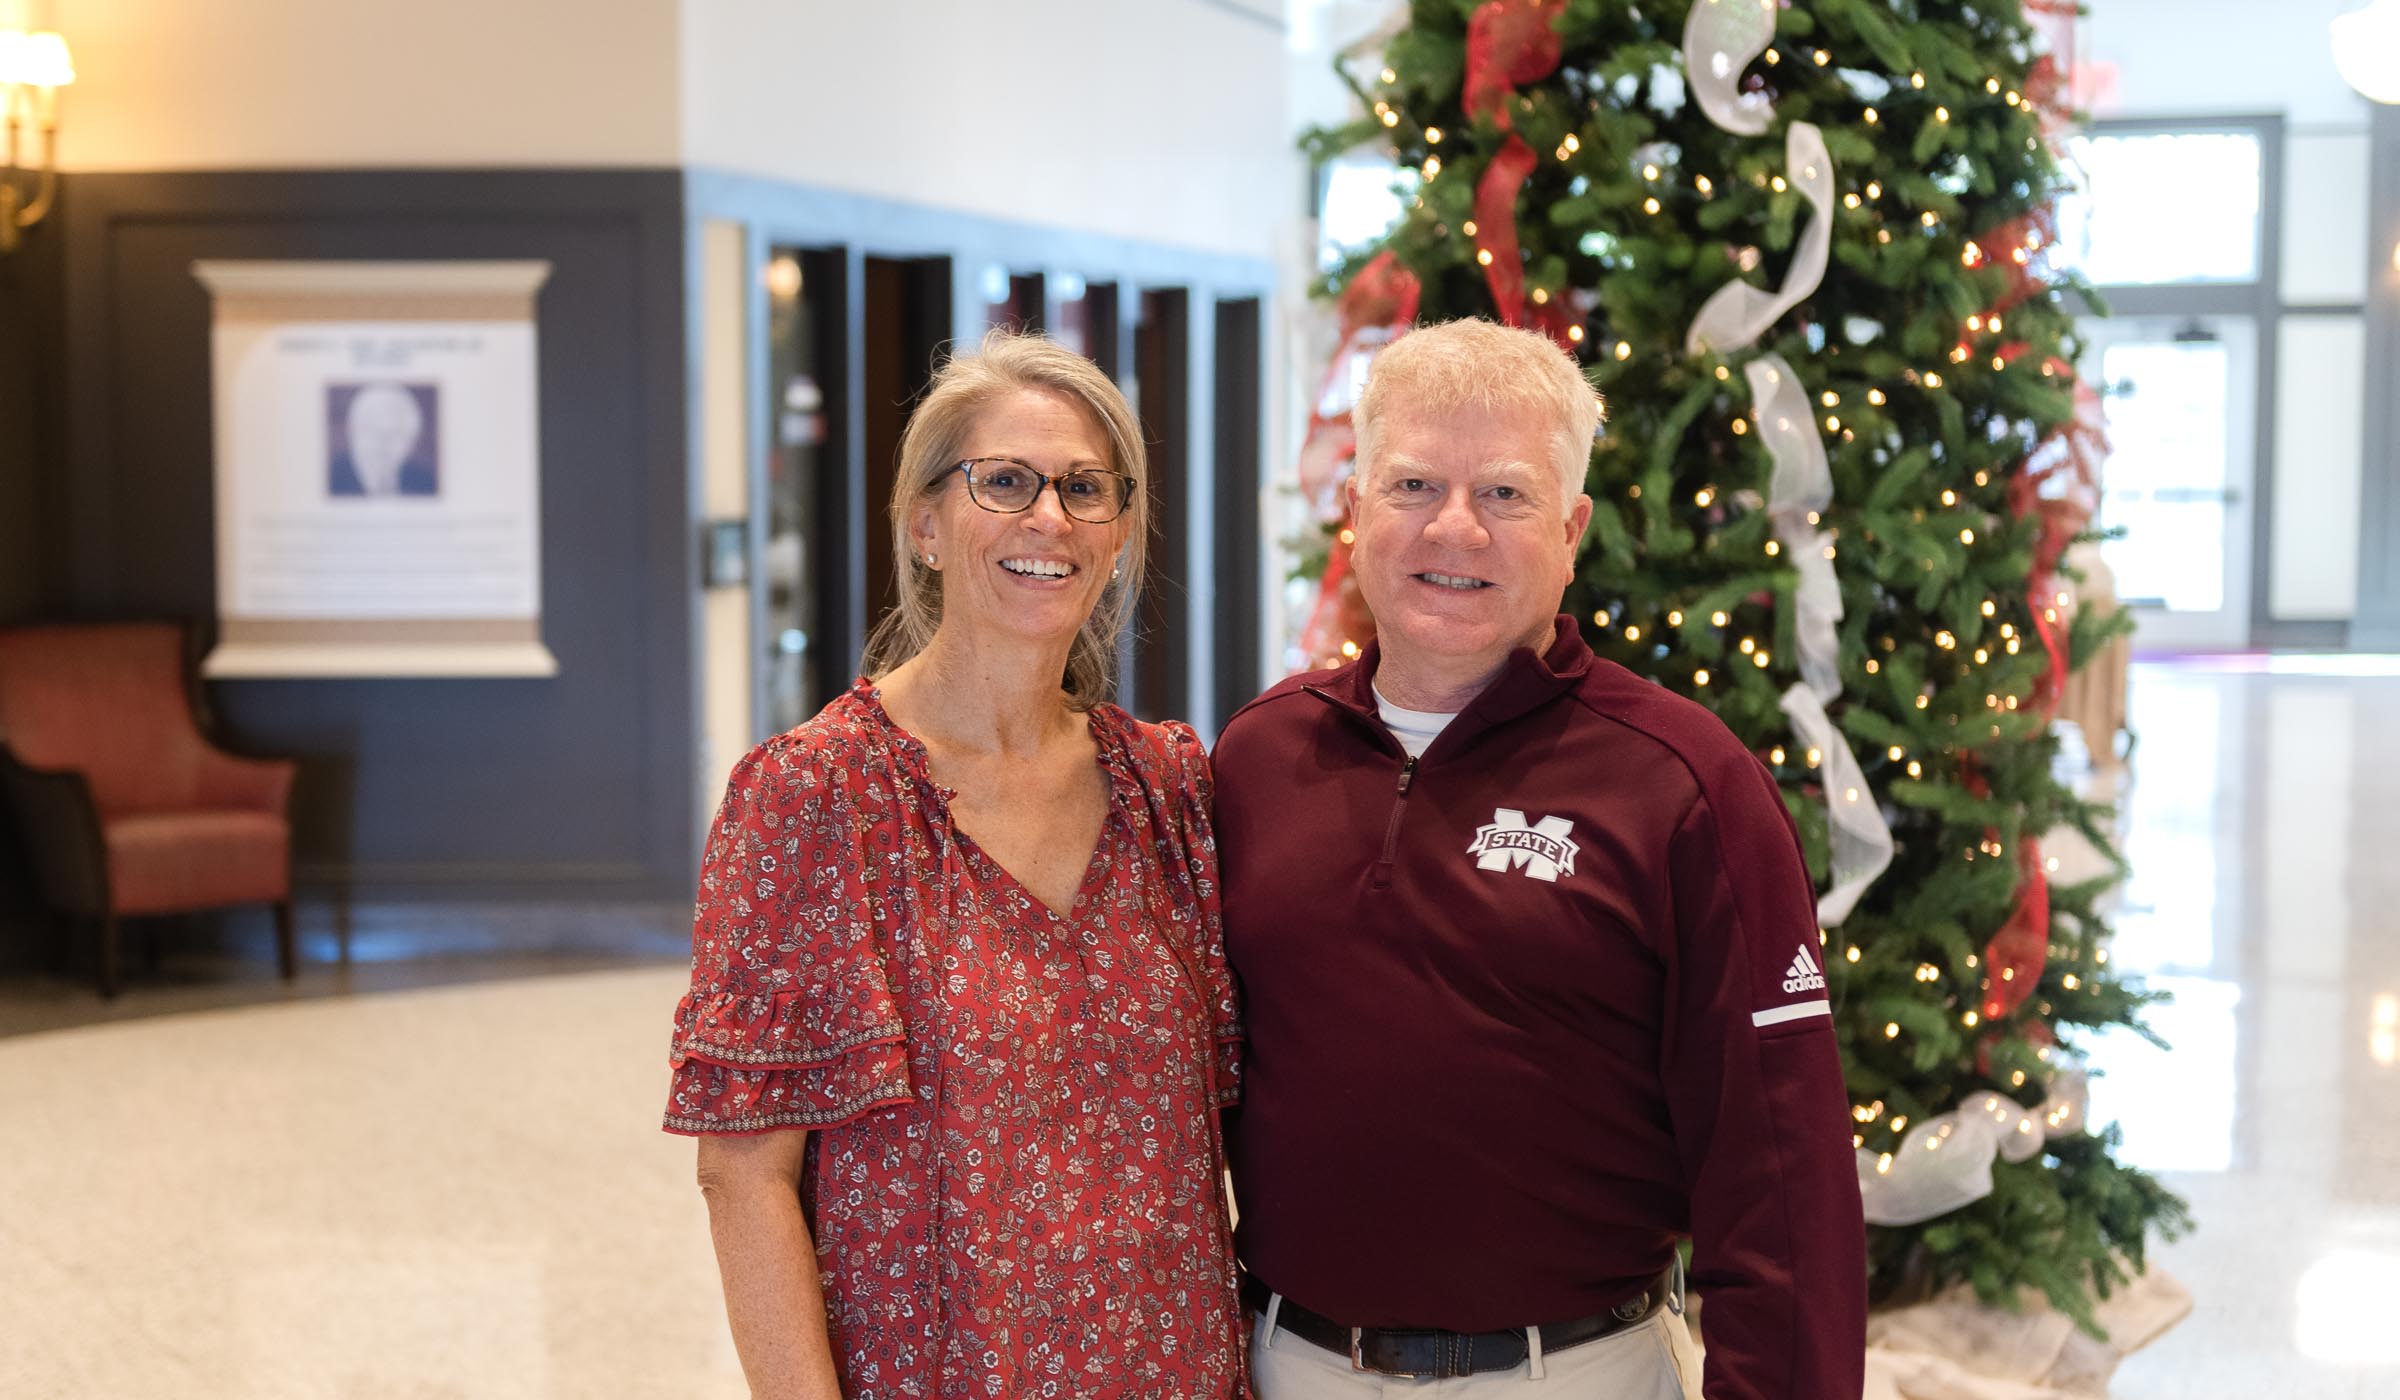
(1804, 250)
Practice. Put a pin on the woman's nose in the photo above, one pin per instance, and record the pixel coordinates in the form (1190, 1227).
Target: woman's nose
(1049, 514)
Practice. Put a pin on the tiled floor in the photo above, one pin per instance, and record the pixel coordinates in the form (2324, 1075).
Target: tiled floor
(2263, 827)
(360, 1186)
(458, 1192)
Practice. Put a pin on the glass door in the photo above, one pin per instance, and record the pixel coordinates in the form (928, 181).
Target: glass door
(2181, 397)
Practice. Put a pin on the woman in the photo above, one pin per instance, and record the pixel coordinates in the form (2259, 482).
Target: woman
(960, 1024)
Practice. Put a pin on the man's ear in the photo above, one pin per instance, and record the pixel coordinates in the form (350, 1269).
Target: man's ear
(1579, 518)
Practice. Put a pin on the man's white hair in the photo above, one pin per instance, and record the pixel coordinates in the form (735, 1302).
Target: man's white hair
(1481, 364)
(390, 399)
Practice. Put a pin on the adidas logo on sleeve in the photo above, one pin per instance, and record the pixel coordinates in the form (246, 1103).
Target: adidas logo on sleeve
(1804, 975)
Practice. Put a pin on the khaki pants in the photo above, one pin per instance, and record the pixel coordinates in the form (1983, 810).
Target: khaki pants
(1655, 1361)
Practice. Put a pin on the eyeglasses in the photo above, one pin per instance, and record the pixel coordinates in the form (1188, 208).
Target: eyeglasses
(1006, 486)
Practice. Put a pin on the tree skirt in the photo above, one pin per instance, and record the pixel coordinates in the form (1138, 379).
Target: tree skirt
(1955, 1348)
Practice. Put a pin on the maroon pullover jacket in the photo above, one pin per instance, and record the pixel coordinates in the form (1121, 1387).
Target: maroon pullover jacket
(1526, 1009)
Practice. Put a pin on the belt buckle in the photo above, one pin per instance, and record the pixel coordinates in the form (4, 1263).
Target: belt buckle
(1358, 1361)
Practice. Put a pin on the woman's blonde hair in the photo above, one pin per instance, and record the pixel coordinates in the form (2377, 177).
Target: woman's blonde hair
(963, 387)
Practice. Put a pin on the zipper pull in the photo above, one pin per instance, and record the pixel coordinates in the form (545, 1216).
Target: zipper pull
(1408, 771)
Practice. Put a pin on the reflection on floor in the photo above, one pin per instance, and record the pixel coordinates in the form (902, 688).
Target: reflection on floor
(2261, 824)
(461, 1191)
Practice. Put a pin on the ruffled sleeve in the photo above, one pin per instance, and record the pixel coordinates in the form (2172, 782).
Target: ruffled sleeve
(1192, 799)
(790, 1021)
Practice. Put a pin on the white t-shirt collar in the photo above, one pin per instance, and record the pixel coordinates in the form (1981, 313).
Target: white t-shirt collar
(1415, 729)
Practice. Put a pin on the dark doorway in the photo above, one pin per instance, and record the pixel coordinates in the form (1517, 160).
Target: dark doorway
(1235, 565)
(1084, 319)
(1020, 309)
(1162, 353)
(907, 324)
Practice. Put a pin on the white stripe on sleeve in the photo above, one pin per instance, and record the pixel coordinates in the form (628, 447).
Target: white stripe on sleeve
(1793, 1012)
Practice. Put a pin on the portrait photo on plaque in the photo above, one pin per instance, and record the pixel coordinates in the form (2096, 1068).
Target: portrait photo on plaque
(383, 439)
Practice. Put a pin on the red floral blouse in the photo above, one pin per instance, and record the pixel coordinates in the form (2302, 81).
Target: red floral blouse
(1014, 1167)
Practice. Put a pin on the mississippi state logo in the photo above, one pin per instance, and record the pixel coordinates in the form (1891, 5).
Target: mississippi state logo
(1541, 849)
(1804, 975)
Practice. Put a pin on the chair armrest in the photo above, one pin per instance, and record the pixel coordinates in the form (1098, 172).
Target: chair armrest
(248, 784)
(60, 826)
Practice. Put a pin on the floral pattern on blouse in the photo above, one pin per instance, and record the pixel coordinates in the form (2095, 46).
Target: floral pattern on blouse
(1014, 1172)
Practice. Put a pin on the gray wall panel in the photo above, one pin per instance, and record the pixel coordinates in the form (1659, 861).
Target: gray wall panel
(572, 785)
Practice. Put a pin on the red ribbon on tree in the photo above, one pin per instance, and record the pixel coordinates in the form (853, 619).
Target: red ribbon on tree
(2058, 482)
(2014, 958)
(2069, 456)
(1383, 296)
(1509, 42)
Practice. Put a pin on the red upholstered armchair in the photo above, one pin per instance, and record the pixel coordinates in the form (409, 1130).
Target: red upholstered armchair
(124, 805)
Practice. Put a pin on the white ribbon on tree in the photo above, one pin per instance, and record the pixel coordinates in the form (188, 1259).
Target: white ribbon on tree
(1861, 840)
(1799, 491)
(1945, 1162)
(1720, 38)
(1737, 314)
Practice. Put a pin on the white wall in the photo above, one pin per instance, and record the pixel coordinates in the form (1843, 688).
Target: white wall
(1159, 120)
(216, 84)
(2320, 451)
(2222, 58)
(2325, 217)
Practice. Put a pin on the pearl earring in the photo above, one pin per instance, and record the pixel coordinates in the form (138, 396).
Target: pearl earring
(930, 562)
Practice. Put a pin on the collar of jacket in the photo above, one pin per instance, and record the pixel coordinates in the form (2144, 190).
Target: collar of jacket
(1527, 681)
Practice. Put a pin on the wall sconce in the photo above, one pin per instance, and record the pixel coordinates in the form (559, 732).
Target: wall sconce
(33, 67)
(2366, 48)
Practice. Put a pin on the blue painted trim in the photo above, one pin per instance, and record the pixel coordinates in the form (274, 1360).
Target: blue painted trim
(2376, 624)
(787, 213)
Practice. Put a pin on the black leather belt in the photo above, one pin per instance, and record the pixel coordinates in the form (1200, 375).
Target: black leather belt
(1426, 1353)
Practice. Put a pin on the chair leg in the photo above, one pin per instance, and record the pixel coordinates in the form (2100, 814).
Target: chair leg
(287, 945)
(110, 981)
(65, 929)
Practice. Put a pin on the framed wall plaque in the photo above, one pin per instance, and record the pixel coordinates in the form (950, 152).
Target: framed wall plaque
(378, 482)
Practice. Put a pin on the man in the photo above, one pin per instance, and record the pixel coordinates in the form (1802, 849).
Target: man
(383, 429)
(1518, 934)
